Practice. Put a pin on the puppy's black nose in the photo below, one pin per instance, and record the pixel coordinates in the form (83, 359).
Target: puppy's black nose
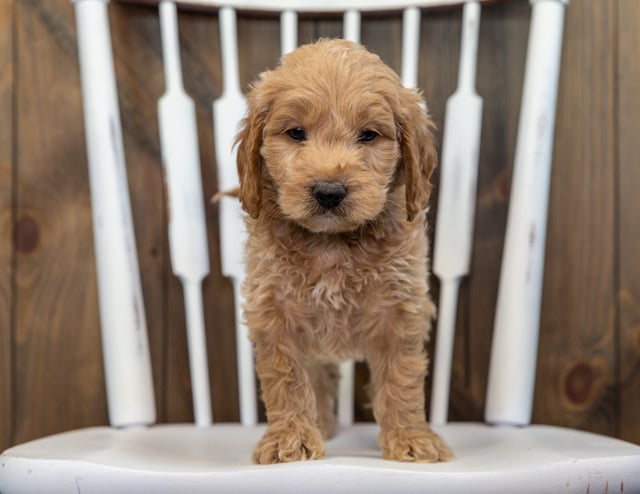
(329, 194)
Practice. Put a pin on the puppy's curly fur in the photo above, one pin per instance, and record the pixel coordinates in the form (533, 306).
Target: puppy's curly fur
(334, 160)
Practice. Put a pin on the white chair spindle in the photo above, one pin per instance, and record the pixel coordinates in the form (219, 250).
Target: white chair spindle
(187, 225)
(288, 31)
(456, 205)
(410, 46)
(515, 339)
(122, 317)
(352, 22)
(228, 111)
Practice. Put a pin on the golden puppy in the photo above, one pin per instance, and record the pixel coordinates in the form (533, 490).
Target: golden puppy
(334, 160)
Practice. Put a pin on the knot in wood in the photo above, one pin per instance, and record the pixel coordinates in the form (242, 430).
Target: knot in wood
(579, 385)
(26, 235)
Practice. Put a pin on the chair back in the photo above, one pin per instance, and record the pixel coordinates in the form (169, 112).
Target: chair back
(126, 354)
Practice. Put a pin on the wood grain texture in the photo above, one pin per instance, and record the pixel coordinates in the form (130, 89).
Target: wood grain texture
(6, 219)
(577, 360)
(628, 240)
(58, 373)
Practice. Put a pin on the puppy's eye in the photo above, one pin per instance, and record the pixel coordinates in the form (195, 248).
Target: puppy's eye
(296, 134)
(367, 135)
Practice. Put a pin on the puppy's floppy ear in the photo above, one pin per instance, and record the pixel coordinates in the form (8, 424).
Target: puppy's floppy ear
(419, 156)
(249, 161)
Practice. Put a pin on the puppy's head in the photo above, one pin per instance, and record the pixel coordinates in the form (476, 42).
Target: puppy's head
(335, 132)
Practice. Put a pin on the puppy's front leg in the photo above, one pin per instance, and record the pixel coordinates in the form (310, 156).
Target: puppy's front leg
(397, 360)
(288, 395)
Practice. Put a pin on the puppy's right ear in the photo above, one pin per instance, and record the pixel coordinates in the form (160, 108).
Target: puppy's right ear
(249, 161)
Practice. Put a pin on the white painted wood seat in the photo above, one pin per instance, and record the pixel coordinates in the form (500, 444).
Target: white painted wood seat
(504, 455)
(188, 459)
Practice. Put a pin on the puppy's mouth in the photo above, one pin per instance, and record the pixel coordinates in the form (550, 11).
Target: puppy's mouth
(339, 212)
(331, 221)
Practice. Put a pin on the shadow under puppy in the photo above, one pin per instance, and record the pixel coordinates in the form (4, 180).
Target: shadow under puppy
(334, 160)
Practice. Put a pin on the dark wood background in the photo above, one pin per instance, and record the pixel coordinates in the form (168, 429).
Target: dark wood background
(51, 376)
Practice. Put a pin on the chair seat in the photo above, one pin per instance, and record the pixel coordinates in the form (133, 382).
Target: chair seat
(187, 459)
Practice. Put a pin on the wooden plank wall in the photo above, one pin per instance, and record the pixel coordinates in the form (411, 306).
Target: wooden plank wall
(628, 204)
(51, 376)
(6, 219)
(577, 361)
(57, 372)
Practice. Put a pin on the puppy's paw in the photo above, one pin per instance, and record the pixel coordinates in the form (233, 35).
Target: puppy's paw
(289, 442)
(417, 444)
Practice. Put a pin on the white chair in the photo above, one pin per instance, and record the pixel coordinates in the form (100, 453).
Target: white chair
(133, 455)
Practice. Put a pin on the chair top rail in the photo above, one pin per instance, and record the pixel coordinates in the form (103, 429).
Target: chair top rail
(304, 6)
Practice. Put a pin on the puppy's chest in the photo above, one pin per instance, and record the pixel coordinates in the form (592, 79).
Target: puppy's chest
(336, 280)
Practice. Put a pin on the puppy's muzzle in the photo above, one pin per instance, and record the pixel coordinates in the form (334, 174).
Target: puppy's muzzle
(329, 194)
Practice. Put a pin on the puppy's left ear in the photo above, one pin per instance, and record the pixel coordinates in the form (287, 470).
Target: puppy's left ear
(248, 160)
(419, 157)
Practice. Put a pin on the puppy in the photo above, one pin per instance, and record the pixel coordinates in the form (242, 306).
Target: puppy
(334, 160)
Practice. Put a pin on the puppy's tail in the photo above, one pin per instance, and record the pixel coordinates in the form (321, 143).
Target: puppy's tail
(235, 192)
